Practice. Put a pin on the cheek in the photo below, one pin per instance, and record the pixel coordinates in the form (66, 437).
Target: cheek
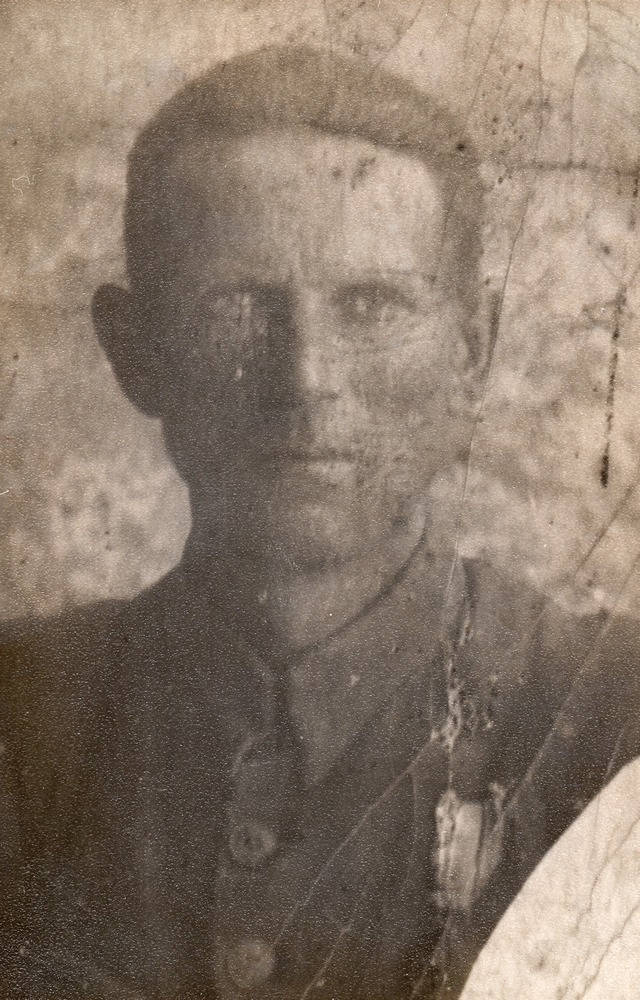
(418, 407)
(213, 397)
(409, 387)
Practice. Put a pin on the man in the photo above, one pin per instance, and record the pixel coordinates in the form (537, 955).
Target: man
(322, 755)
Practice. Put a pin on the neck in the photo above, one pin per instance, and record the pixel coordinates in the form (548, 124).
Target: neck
(307, 608)
(283, 614)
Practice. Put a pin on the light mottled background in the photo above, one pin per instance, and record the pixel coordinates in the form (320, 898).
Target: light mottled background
(550, 92)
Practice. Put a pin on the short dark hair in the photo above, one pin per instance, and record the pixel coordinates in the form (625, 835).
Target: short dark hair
(291, 88)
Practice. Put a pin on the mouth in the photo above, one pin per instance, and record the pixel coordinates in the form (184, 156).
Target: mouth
(311, 468)
(310, 456)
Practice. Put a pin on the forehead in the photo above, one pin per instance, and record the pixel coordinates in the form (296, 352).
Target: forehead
(262, 206)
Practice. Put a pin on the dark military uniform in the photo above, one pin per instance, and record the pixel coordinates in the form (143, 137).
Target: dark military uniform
(184, 820)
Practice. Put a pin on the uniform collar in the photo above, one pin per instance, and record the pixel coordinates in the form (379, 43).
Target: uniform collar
(335, 687)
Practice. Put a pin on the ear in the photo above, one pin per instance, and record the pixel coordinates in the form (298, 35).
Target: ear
(124, 337)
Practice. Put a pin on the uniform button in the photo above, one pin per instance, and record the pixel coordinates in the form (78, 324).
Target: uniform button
(251, 843)
(250, 963)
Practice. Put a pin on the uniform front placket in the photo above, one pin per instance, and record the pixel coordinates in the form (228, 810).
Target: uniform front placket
(261, 821)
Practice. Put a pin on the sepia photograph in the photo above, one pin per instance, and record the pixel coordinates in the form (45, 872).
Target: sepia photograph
(320, 500)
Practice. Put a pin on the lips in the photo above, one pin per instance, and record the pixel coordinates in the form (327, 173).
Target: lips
(277, 455)
(304, 469)
(309, 455)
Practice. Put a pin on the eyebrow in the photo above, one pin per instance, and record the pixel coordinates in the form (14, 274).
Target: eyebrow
(410, 281)
(392, 278)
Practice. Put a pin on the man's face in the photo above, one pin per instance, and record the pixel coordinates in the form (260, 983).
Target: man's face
(316, 364)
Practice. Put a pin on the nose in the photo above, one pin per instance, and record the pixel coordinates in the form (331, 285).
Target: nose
(303, 368)
(317, 368)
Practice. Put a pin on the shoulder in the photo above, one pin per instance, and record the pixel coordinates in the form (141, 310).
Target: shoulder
(56, 672)
(42, 656)
(66, 686)
(528, 673)
(48, 693)
(30, 638)
(520, 628)
(74, 639)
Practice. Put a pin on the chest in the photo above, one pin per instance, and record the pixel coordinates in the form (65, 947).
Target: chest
(173, 837)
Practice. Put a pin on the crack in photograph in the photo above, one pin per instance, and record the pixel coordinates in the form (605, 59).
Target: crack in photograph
(320, 488)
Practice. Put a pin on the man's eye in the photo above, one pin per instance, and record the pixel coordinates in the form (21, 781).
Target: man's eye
(232, 308)
(365, 305)
(236, 315)
(249, 310)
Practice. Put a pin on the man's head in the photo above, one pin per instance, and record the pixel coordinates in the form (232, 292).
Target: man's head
(303, 245)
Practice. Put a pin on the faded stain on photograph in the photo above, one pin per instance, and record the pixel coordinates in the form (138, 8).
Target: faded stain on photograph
(319, 478)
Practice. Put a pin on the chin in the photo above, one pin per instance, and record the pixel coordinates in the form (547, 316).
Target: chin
(312, 539)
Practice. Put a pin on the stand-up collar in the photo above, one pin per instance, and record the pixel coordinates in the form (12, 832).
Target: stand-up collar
(338, 686)
(333, 688)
